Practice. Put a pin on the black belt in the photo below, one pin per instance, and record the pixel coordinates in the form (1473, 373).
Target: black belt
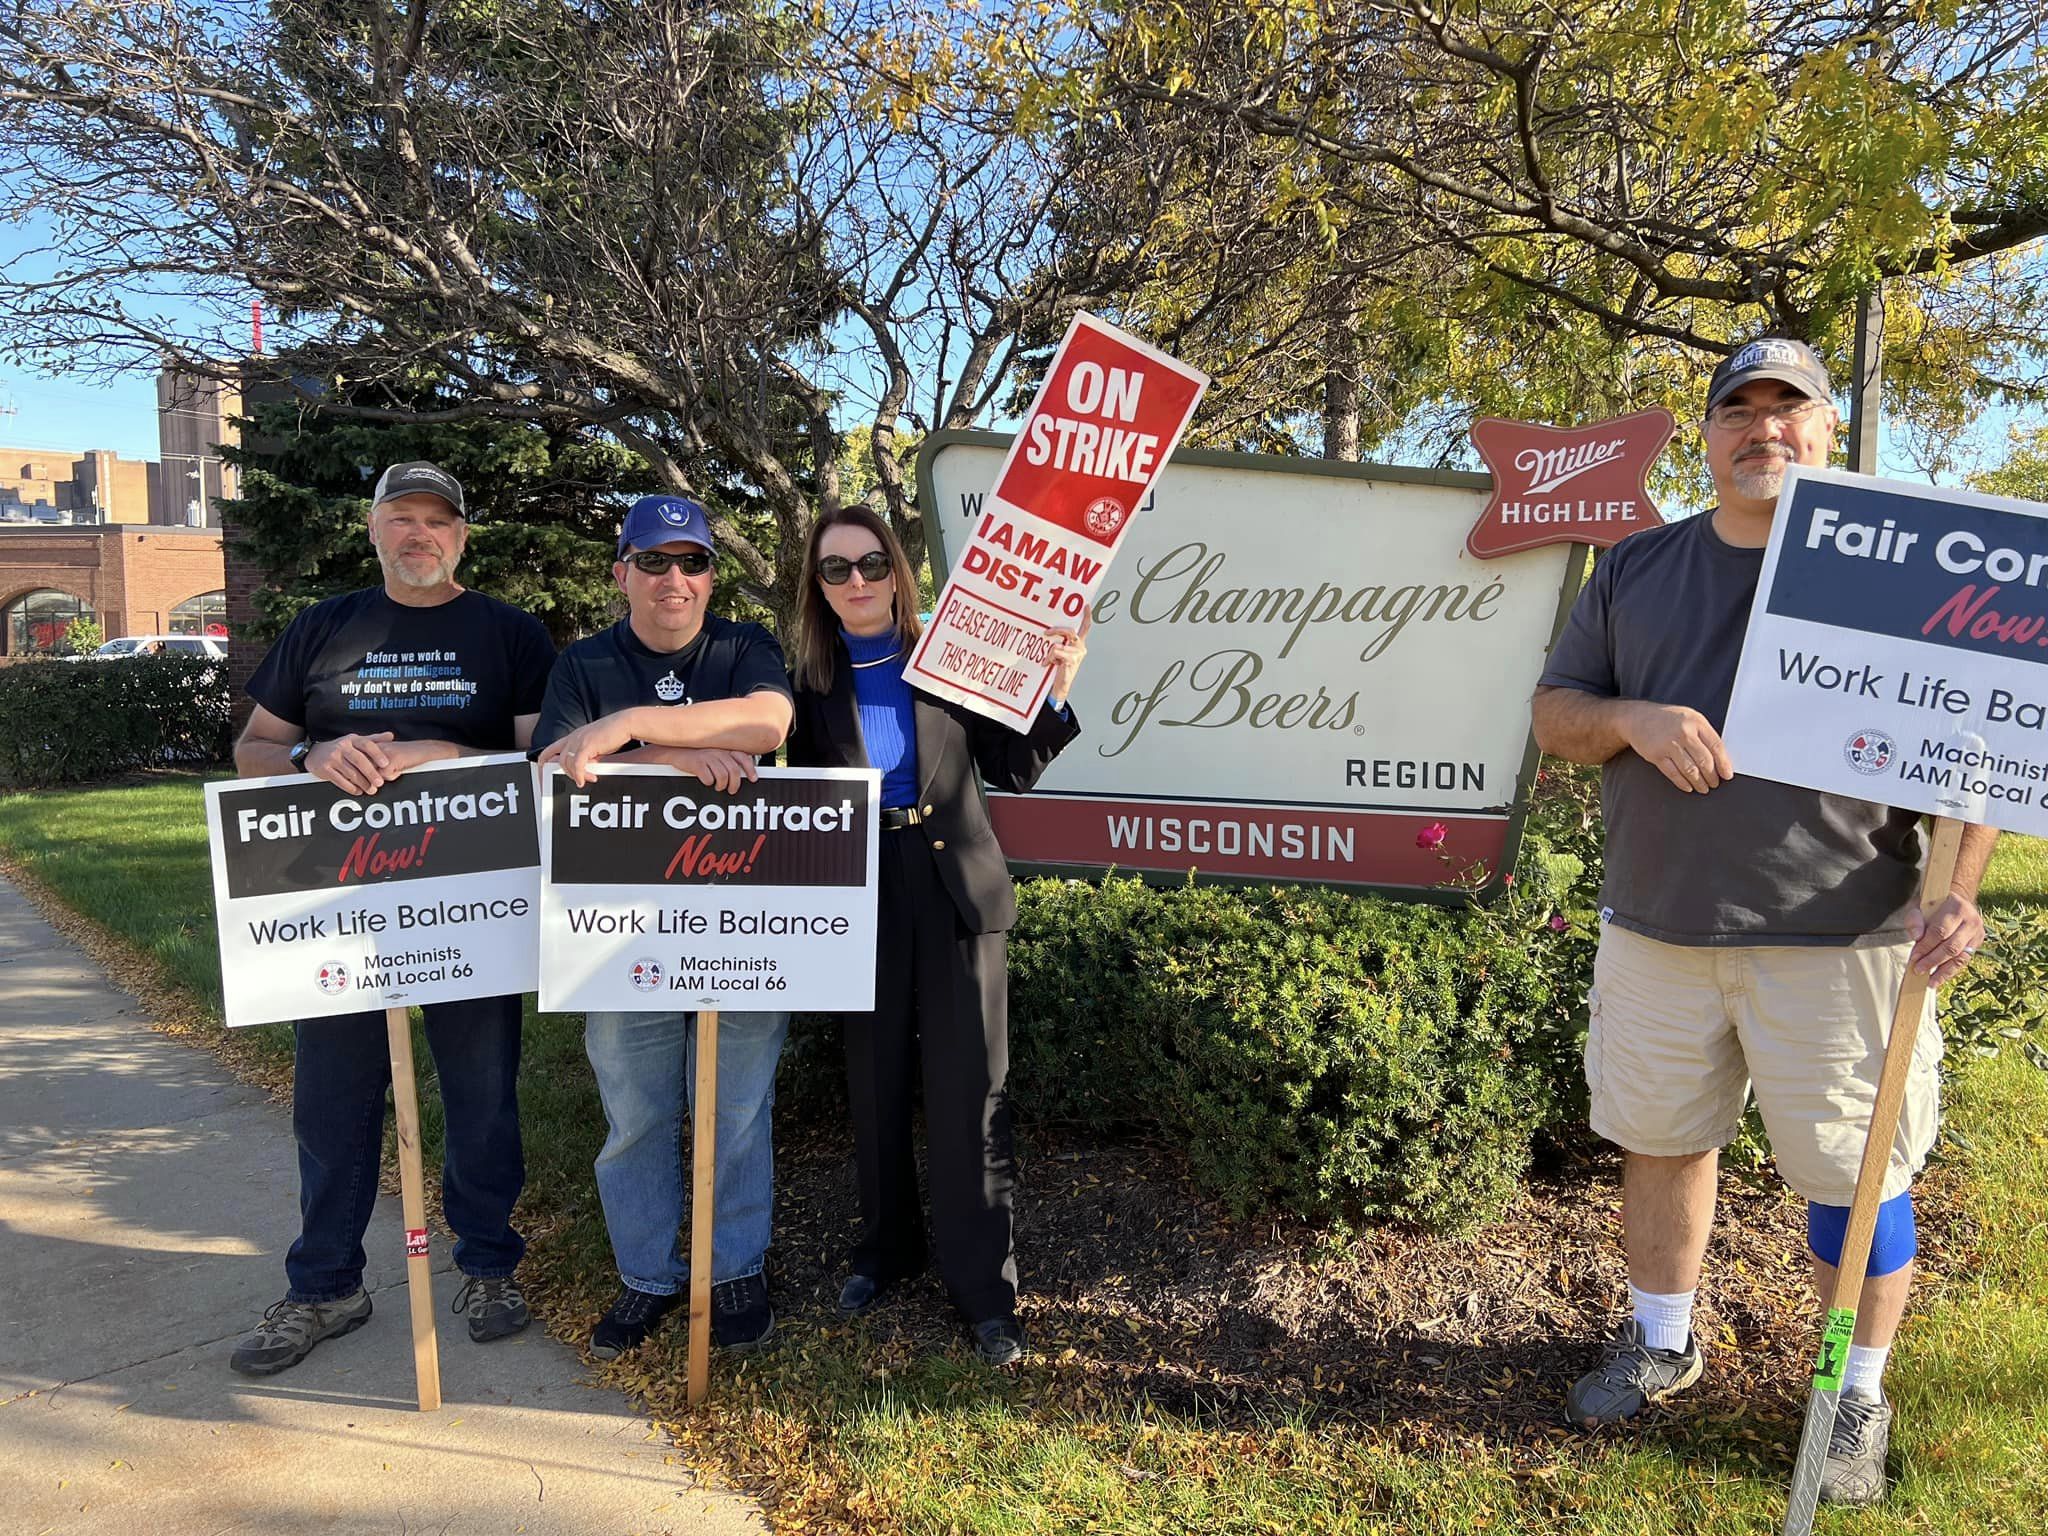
(896, 817)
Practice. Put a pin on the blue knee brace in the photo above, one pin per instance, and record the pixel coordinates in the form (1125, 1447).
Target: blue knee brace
(1892, 1245)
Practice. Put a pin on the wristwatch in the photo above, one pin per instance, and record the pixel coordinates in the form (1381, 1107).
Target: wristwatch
(301, 750)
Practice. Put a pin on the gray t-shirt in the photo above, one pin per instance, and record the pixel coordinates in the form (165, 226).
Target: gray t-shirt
(1751, 861)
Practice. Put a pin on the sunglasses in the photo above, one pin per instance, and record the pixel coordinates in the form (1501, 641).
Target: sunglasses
(656, 562)
(837, 570)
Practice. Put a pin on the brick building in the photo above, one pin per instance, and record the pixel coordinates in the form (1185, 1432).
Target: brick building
(133, 580)
(98, 486)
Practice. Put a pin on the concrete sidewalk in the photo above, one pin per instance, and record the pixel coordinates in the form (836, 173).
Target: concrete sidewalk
(146, 1200)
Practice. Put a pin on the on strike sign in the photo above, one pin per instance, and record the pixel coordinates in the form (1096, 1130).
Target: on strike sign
(1089, 450)
(331, 903)
(1898, 650)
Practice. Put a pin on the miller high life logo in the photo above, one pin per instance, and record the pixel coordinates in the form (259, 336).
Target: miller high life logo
(1575, 485)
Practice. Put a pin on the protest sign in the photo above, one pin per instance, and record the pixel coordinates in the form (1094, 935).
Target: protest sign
(665, 895)
(1897, 650)
(1082, 464)
(1298, 672)
(331, 903)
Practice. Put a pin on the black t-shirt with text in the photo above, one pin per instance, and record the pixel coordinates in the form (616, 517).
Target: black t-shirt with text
(614, 670)
(459, 671)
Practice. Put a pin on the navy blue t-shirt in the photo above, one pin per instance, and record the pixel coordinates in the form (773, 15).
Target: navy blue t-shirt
(614, 670)
(459, 671)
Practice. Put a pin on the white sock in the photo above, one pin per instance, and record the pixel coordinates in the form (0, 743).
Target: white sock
(1666, 1320)
(1865, 1371)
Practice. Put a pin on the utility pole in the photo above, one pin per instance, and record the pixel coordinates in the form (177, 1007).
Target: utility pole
(1866, 383)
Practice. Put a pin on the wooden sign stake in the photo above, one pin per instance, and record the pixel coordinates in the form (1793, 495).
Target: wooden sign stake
(704, 1143)
(1826, 1393)
(419, 1271)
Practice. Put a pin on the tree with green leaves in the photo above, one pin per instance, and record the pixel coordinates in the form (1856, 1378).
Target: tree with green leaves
(691, 226)
(1562, 208)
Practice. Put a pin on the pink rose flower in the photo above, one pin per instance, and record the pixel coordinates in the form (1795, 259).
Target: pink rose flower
(1432, 837)
(1559, 922)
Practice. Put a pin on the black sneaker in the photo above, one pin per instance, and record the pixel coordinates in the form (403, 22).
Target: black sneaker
(999, 1340)
(290, 1329)
(496, 1306)
(1630, 1376)
(1854, 1473)
(631, 1318)
(740, 1315)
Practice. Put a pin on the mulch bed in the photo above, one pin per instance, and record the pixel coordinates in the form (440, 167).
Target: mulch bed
(1137, 1290)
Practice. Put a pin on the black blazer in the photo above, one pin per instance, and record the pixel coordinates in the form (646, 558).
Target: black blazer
(956, 750)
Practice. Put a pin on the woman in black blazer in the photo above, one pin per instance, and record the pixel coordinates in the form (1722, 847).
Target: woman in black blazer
(941, 983)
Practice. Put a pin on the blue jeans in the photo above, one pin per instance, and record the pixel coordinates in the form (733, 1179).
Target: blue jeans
(646, 1073)
(341, 1072)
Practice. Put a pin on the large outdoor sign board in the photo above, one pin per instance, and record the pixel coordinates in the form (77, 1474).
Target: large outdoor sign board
(1053, 514)
(1298, 672)
(1898, 650)
(664, 895)
(330, 903)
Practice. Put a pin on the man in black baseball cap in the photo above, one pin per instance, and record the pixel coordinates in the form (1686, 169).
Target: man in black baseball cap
(1753, 935)
(419, 478)
(359, 690)
(1771, 357)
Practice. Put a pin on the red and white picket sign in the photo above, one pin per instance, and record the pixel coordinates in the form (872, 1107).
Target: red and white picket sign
(1089, 451)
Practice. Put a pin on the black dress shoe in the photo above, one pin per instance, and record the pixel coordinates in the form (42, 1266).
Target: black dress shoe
(999, 1340)
(859, 1293)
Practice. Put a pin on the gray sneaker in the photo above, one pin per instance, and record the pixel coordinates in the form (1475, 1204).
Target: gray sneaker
(290, 1329)
(1630, 1377)
(1854, 1473)
(496, 1306)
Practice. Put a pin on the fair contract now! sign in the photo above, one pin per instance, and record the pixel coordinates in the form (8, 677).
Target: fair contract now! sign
(1298, 672)
(1081, 466)
(1897, 650)
(330, 903)
(664, 895)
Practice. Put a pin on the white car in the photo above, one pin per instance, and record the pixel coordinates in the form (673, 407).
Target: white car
(129, 646)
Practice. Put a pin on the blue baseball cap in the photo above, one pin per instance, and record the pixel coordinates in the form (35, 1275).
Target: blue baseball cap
(656, 520)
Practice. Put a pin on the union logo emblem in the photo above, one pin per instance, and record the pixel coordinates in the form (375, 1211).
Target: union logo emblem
(1870, 752)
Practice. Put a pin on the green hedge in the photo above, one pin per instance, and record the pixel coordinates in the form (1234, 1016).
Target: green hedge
(1346, 1058)
(71, 722)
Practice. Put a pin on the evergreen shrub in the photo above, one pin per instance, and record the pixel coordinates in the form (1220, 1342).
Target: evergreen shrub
(73, 722)
(1345, 1058)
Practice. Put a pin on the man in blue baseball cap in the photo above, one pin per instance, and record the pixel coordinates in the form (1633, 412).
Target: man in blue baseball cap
(720, 687)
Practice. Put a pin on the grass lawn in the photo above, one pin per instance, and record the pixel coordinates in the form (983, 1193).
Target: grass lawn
(856, 1427)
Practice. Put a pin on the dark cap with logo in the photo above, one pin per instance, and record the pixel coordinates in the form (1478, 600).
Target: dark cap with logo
(419, 478)
(1771, 357)
(654, 520)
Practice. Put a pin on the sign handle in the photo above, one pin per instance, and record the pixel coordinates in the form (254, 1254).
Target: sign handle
(1826, 1394)
(704, 1146)
(419, 1272)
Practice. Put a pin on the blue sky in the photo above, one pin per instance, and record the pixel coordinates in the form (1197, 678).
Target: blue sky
(72, 415)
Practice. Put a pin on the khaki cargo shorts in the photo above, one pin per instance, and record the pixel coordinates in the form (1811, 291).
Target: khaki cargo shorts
(1681, 1033)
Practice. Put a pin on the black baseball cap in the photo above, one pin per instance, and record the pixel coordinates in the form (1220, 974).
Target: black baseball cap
(419, 478)
(1771, 357)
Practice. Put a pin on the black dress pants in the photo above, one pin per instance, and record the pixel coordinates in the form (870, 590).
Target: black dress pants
(942, 995)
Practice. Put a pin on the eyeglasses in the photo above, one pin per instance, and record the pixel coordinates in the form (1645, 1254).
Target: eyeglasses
(837, 570)
(656, 562)
(1733, 418)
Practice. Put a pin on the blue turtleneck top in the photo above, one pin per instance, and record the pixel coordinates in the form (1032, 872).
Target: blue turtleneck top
(886, 725)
